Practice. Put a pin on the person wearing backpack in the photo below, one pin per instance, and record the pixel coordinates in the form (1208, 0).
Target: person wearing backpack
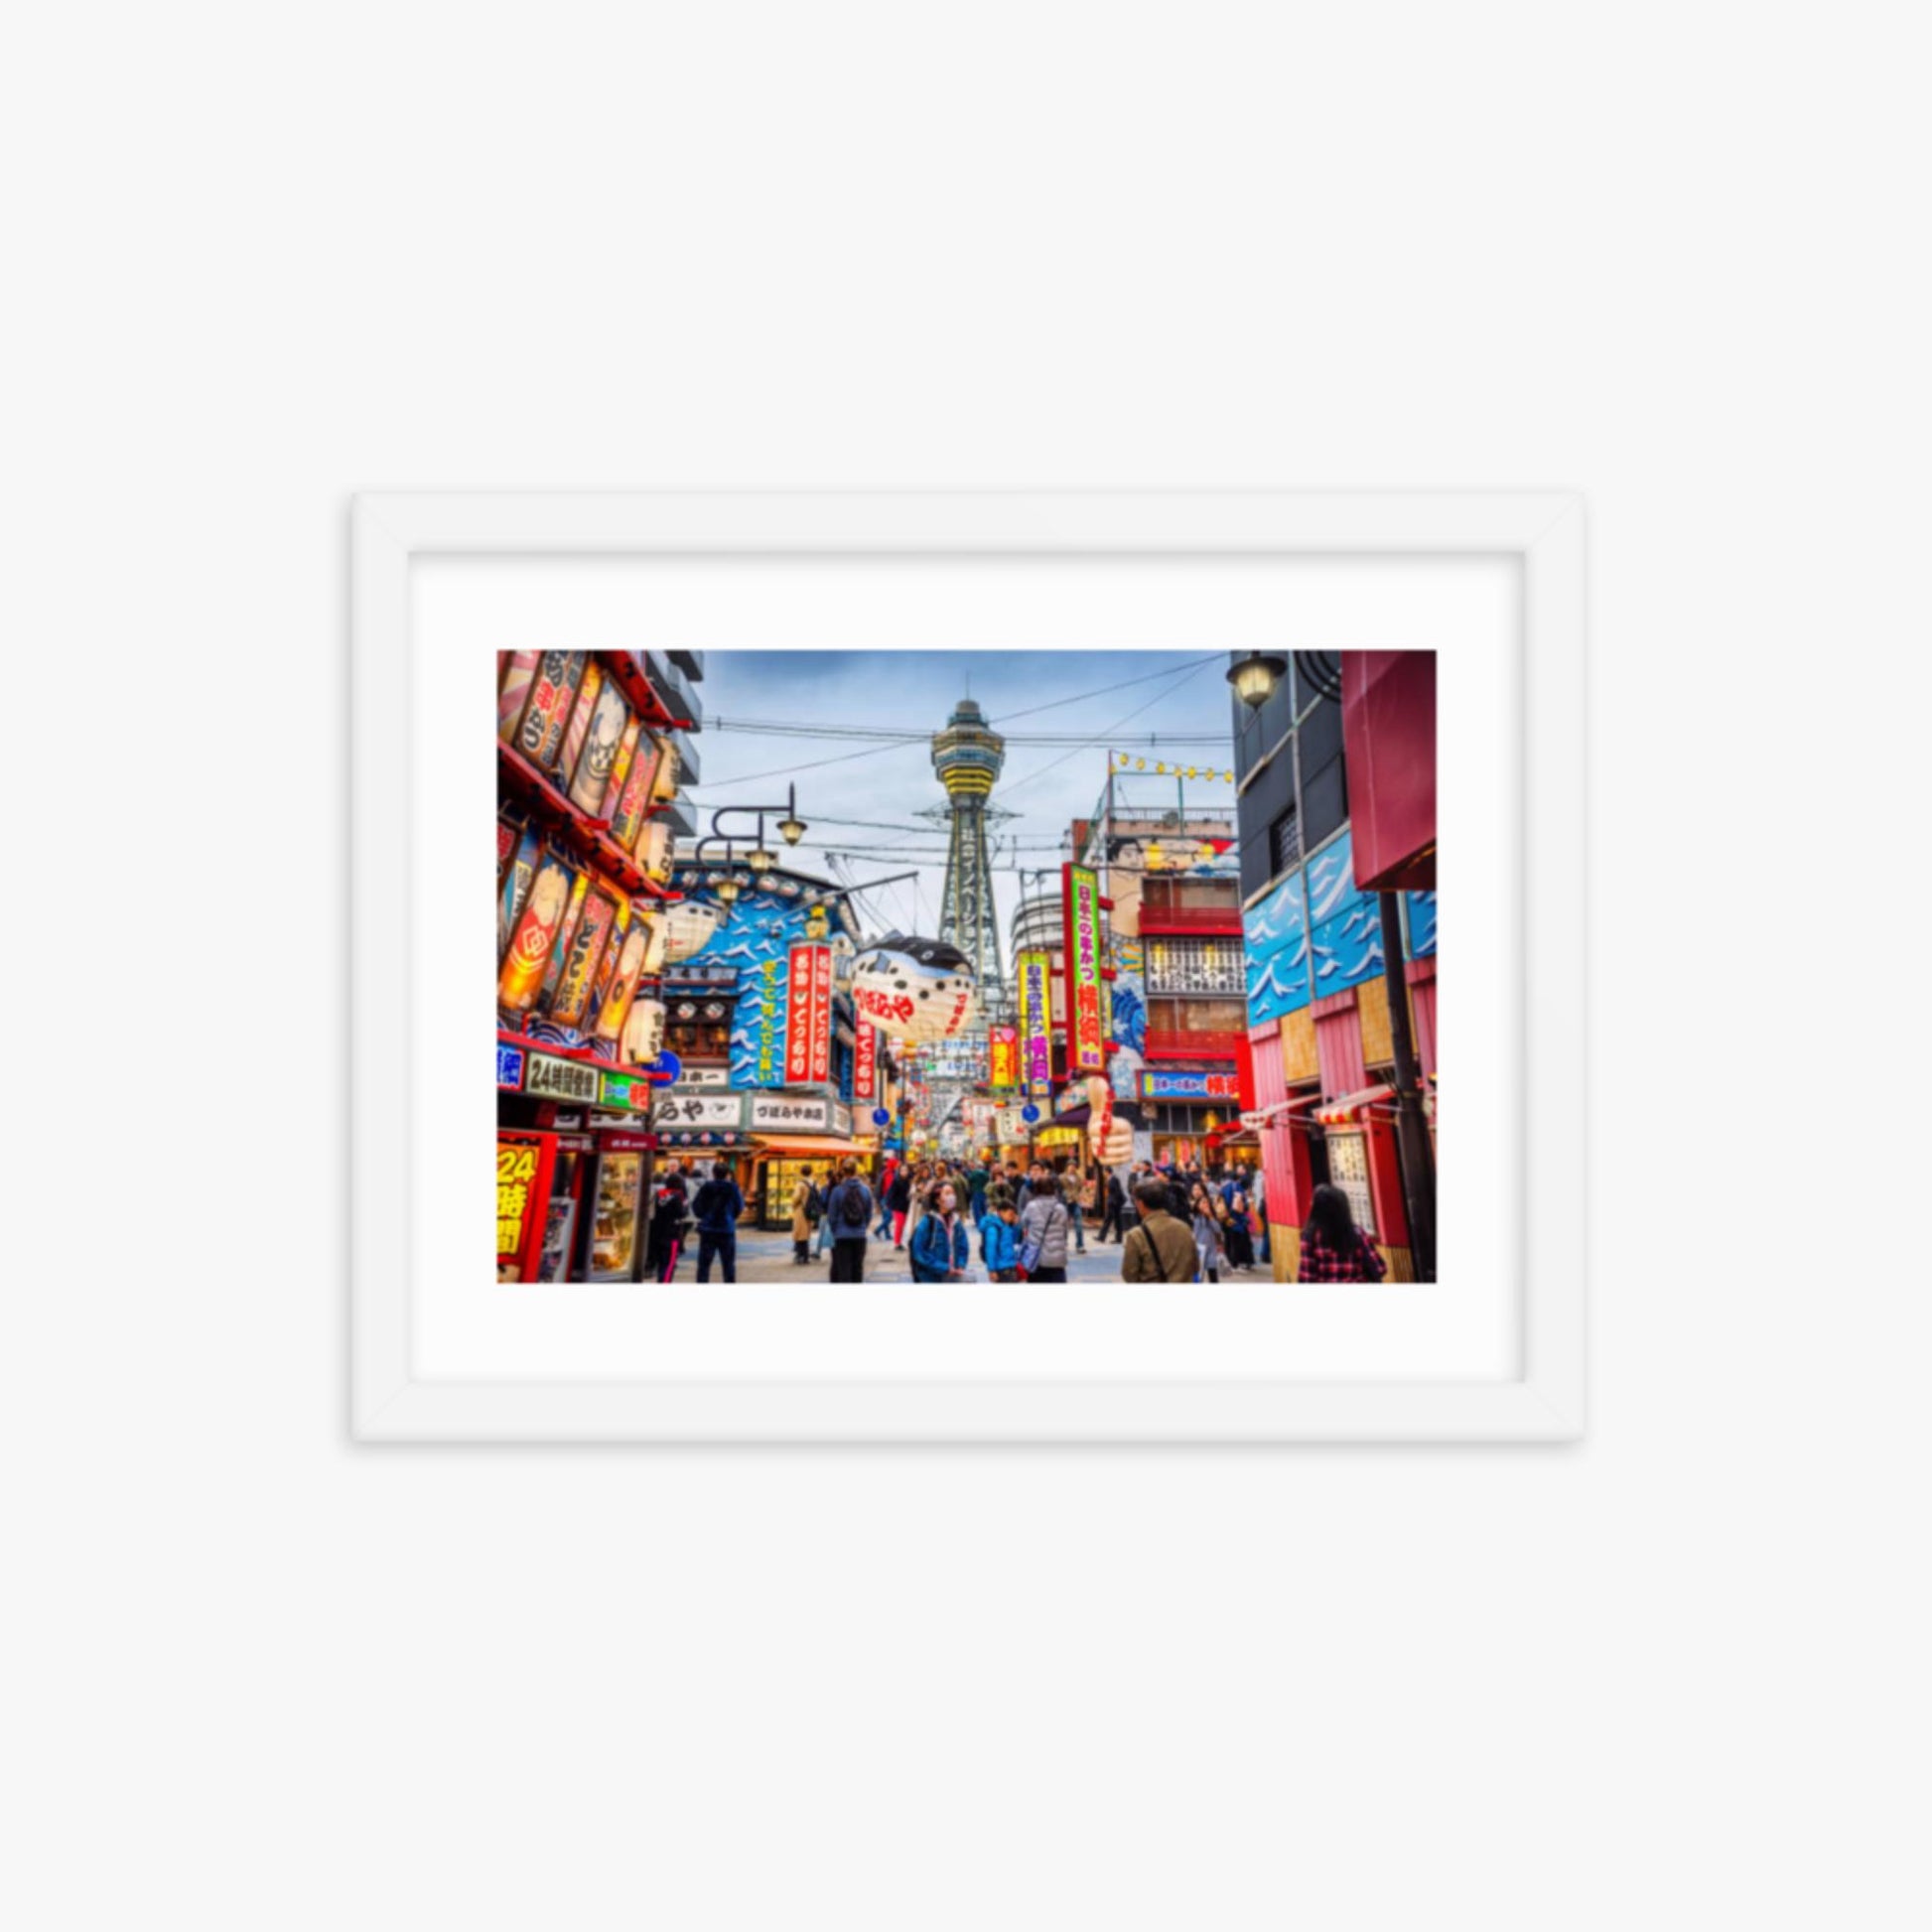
(1333, 1248)
(849, 1216)
(1043, 1226)
(1159, 1248)
(1210, 1240)
(941, 1249)
(717, 1205)
(1000, 1238)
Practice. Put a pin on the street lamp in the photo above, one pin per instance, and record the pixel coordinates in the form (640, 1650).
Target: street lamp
(761, 858)
(727, 890)
(1255, 676)
(792, 828)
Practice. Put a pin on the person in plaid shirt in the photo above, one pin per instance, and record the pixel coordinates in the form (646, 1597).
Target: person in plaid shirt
(1333, 1248)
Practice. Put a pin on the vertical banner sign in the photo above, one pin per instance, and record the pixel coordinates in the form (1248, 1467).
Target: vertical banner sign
(1035, 1017)
(1003, 1045)
(523, 1164)
(865, 1063)
(808, 1019)
(1086, 1048)
(821, 1014)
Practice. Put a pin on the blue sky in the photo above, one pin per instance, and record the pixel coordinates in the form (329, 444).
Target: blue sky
(1182, 695)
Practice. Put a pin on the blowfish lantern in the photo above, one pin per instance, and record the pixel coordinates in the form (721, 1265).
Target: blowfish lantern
(688, 927)
(914, 988)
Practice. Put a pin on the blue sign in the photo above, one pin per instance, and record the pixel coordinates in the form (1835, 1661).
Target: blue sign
(509, 1066)
(880, 1117)
(1030, 1113)
(666, 1066)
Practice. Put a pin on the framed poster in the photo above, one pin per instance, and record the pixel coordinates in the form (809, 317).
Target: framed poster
(1295, 837)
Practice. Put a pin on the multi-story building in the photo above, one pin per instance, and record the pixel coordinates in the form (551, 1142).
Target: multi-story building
(1177, 1015)
(775, 1074)
(1335, 773)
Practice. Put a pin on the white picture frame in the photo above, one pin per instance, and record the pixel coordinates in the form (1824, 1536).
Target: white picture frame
(1543, 535)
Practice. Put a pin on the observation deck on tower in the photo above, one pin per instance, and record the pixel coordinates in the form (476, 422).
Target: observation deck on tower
(968, 754)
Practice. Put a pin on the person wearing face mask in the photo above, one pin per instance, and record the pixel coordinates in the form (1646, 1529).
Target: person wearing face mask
(941, 1250)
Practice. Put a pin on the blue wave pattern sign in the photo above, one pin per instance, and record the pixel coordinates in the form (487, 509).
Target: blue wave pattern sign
(756, 940)
(1316, 935)
(1275, 936)
(1422, 924)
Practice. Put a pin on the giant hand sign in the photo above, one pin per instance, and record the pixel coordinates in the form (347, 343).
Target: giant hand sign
(1112, 1141)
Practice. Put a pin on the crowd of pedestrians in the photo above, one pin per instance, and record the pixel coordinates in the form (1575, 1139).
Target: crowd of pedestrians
(952, 1219)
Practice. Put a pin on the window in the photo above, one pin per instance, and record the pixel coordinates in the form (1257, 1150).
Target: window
(1197, 1015)
(1283, 843)
(1159, 894)
(1196, 966)
(1325, 799)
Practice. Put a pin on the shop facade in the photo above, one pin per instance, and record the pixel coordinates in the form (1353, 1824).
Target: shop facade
(1327, 951)
(593, 750)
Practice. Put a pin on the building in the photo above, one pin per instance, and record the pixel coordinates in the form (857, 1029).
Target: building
(593, 750)
(1177, 1011)
(1337, 780)
(775, 1074)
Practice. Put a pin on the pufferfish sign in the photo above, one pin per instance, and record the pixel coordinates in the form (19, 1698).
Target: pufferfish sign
(914, 988)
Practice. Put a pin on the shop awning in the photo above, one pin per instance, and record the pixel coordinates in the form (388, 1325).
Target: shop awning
(1334, 1112)
(792, 1147)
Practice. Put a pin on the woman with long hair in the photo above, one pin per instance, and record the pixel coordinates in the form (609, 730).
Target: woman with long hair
(1333, 1248)
(1205, 1207)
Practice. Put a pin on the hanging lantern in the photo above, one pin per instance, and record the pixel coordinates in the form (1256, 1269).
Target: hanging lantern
(817, 924)
(643, 1031)
(726, 889)
(914, 988)
(761, 859)
(657, 946)
(688, 927)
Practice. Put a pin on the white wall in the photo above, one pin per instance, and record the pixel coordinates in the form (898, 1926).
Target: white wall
(1670, 255)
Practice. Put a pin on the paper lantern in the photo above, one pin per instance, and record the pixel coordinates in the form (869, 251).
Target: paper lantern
(643, 1031)
(914, 988)
(688, 927)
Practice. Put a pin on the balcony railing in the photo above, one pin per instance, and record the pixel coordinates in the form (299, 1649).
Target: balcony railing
(1173, 1043)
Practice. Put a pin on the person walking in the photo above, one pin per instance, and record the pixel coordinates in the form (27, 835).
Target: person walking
(848, 1213)
(899, 1193)
(1258, 1194)
(802, 1197)
(1157, 1248)
(825, 1215)
(1076, 1211)
(1333, 1248)
(1207, 1210)
(976, 1180)
(1043, 1226)
(670, 1220)
(941, 1249)
(1115, 1196)
(716, 1207)
(886, 1176)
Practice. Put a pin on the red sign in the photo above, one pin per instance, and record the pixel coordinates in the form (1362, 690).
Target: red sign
(865, 1063)
(523, 1164)
(808, 1016)
(1003, 1045)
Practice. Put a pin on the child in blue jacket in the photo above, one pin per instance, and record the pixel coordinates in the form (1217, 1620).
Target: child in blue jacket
(1000, 1241)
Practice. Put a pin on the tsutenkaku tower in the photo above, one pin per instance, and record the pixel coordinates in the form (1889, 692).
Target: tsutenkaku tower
(968, 755)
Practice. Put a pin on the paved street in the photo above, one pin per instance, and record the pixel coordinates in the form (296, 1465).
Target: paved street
(768, 1258)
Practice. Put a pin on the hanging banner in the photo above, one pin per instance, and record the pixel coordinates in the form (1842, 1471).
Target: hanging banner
(1086, 1035)
(808, 1030)
(1003, 1050)
(1035, 1017)
(865, 1063)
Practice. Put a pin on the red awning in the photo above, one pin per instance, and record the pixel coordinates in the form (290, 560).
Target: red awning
(1332, 1113)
